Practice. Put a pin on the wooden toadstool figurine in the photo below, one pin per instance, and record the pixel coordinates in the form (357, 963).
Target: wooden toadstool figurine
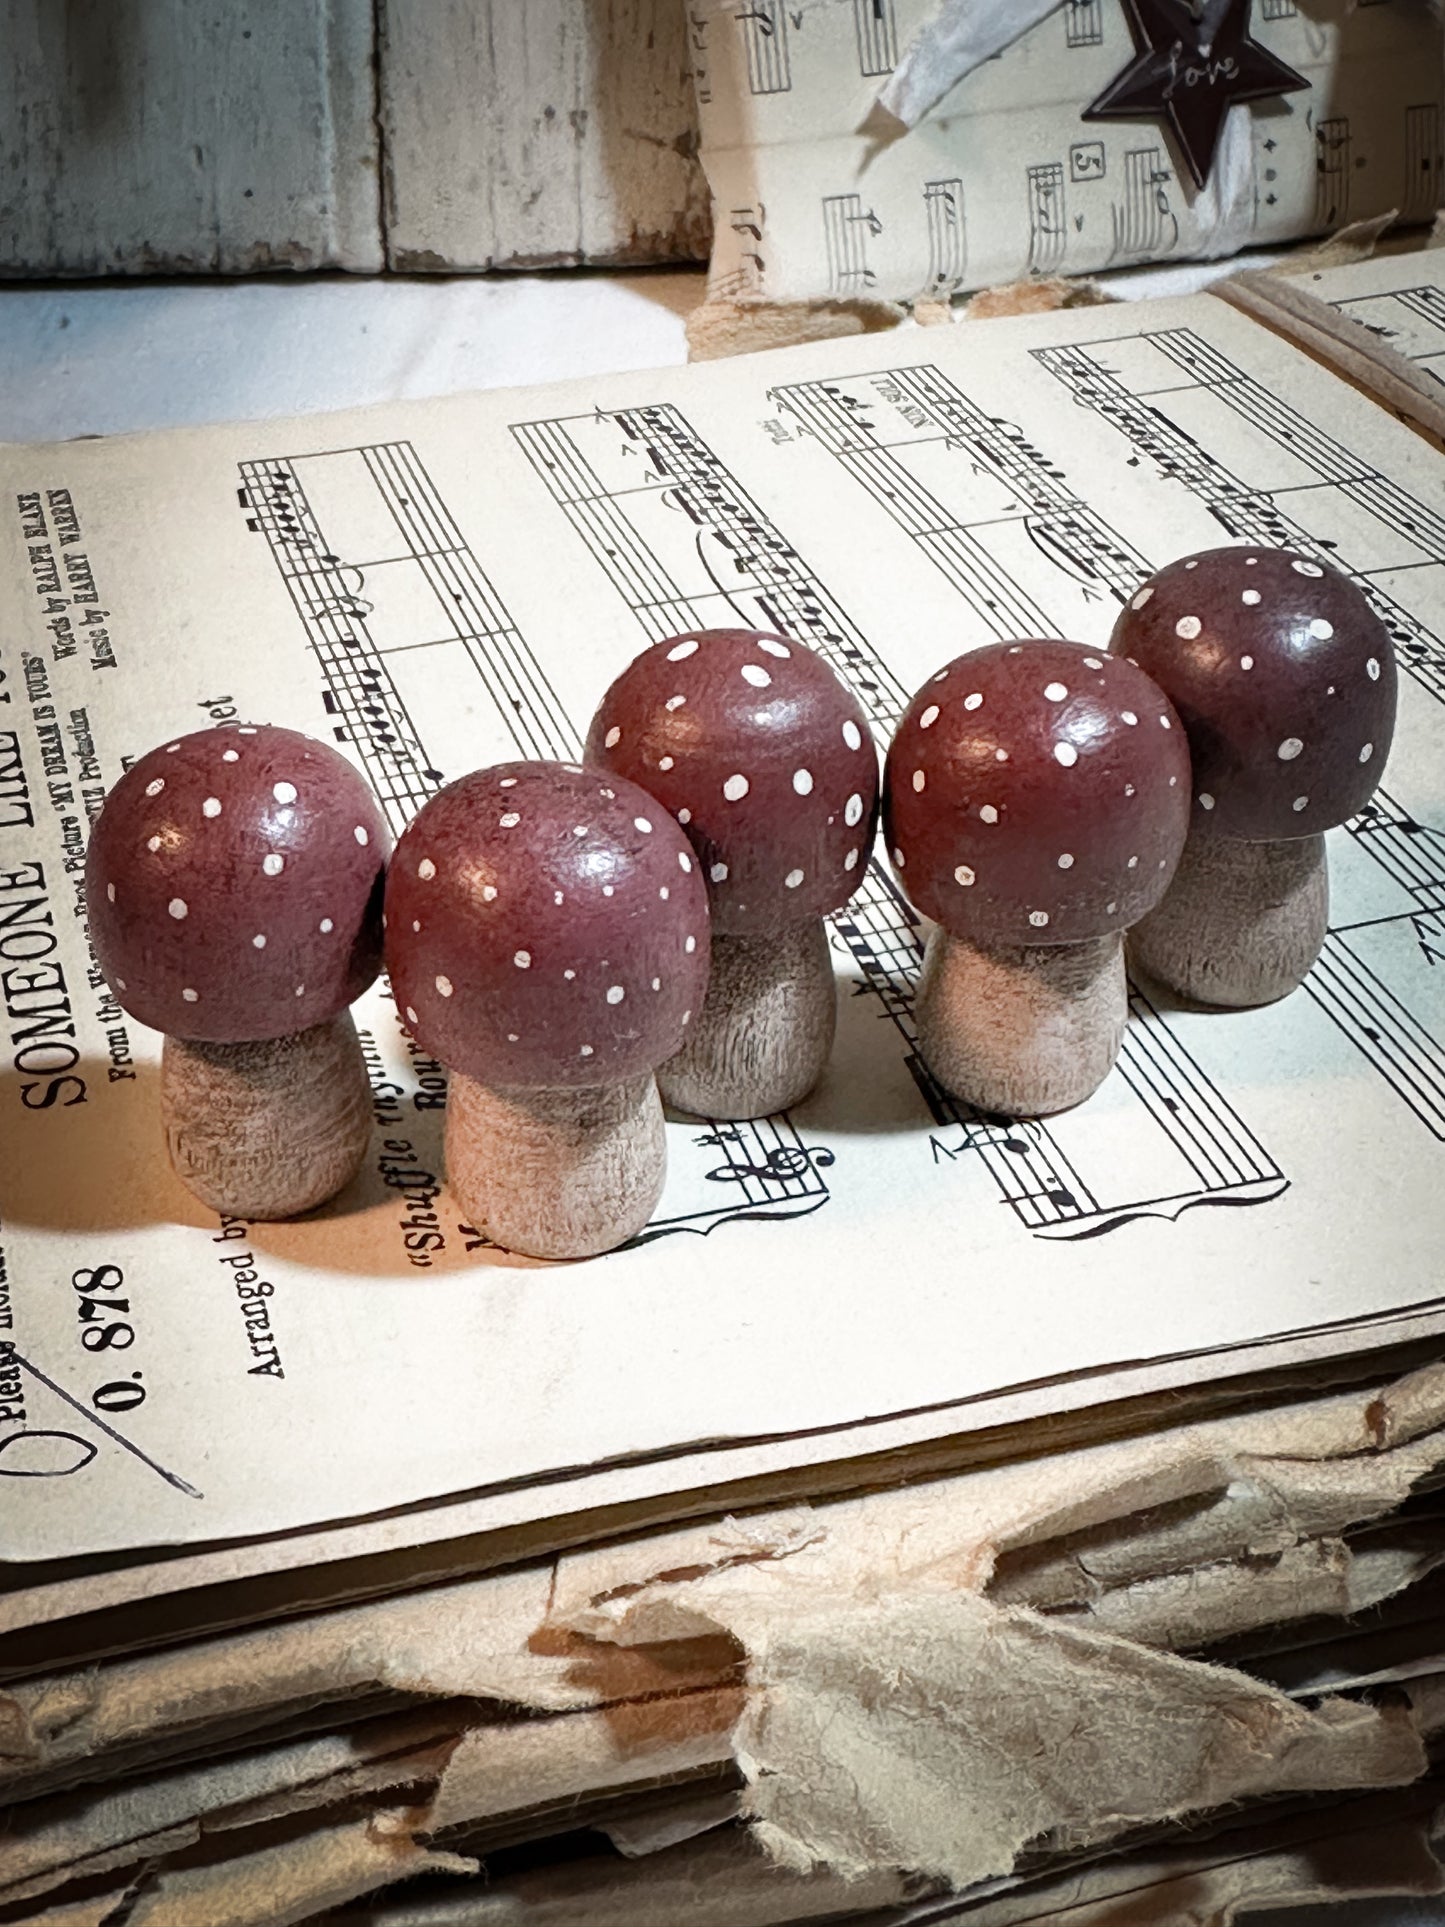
(1284, 680)
(547, 939)
(234, 884)
(765, 757)
(1035, 802)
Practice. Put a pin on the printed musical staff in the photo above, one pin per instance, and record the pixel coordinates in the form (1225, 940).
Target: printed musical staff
(876, 31)
(847, 228)
(1145, 224)
(1084, 23)
(764, 27)
(927, 409)
(1412, 320)
(1332, 172)
(1048, 221)
(947, 243)
(1424, 162)
(449, 602)
(1271, 515)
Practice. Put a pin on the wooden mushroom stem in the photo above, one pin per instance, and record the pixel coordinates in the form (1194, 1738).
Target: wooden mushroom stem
(763, 1035)
(1021, 1029)
(1241, 923)
(271, 1129)
(556, 1173)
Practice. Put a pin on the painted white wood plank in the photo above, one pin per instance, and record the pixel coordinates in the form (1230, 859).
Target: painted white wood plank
(166, 136)
(531, 133)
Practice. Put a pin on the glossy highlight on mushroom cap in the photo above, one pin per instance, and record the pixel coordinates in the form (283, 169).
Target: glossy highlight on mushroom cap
(547, 927)
(1284, 679)
(1036, 793)
(233, 883)
(764, 755)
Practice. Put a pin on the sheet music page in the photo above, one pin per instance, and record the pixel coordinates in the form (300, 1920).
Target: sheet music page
(1399, 297)
(818, 196)
(437, 585)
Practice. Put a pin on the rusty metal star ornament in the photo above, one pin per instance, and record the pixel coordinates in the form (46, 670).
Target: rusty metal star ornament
(1192, 64)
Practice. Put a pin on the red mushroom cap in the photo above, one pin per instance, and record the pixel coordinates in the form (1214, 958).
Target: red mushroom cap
(546, 928)
(764, 756)
(233, 882)
(1036, 793)
(1284, 679)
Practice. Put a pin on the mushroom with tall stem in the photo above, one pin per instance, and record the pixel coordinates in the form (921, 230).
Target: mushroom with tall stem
(764, 756)
(1035, 803)
(547, 939)
(1284, 680)
(234, 883)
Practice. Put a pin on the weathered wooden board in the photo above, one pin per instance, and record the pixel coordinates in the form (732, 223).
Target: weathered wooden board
(539, 133)
(164, 136)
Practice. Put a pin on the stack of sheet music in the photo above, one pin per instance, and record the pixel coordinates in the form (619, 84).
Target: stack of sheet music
(902, 1488)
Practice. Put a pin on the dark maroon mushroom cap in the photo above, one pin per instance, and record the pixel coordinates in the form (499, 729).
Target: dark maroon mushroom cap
(763, 755)
(233, 883)
(1036, 793)
(1284, 679)
(546, 927)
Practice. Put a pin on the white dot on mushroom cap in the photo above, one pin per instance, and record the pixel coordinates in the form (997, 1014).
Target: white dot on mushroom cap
(1301, 802)
(578, 829)
(664, 893)
(569, 975)
(850, 861)
(246, 729)
(615, 993)
(361, 835)
(1066, 862)
(1110, 908)
(719, 873)
(974, 701)
(326, 926)
(1246, 662)
(664, 762)
(171, 748)
(1092, 662)
(120, 983)
(687, 1016)
(1140, 599)
(1128, 716)
(509, 820)
(1038, 918)
(211, 806)
(426, 869)
(1000, 756)
(1133, 863)
(300, 990)
(684, 861)
(657, 983)
(1206, 801)
(1251, 562)
(1188, 627)
(507, 783)
(772, 647)
(523, 959)
(1306, 568)
(1250, 597)
(444, 986)
(1164, 723)
(512, 1037)
(756, 676)
(1066, 754)
(230, 756)
(1128, 789)
(410, 1015)
(1372, 669)
(641, 823)
(852, 735)
(1321, 630)
(489, 892)
(191, 996)
(607, 889)
(110, 892)
(1367, 752)
(586, 1050)
(1289, 749)
(690, 945)
(284, 792)
(793, 879)
(674, 702)
(684, 816)
(681, 650)
(929, 717)
(155, 788)
(1055, 691)
(853, 810)
(942, 676)
(273, 864)
(735, 788)
(803, 781)
(1192, 564)
(556, 896)
(153, 843)
(416, 925)
(988, 814)
(963, 875)
(612, 738)
(919, 780)
(177, 907)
